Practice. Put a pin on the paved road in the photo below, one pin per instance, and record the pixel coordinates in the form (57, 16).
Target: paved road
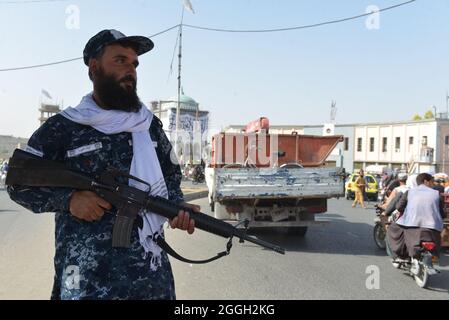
(329, 263)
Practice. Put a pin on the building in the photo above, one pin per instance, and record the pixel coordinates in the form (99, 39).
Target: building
(47, 111)
(8, 144)
(415, 146)
(194, 125)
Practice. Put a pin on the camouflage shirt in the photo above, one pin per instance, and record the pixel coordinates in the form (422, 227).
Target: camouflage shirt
(86, 264)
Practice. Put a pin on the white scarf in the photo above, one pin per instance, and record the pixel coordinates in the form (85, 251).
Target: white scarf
(145, 164)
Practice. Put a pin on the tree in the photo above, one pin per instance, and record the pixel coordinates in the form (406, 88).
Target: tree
(417, 117)
(429, 115)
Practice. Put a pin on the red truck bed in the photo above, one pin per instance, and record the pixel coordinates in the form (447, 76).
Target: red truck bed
(235, 148)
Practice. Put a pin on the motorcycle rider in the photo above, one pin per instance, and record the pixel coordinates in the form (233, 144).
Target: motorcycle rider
(198, 173)
(4, 168)
(438, 185)
(390, 204)
(421, 220)
(3, 172)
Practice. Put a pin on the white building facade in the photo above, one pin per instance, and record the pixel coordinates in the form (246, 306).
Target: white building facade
(416, 146)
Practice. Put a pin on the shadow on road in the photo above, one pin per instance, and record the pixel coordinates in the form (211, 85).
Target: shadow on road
(338, 237)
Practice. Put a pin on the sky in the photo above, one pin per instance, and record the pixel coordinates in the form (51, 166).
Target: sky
(393, 69)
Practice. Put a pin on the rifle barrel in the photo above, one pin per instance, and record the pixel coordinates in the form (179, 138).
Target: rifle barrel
(260, 242)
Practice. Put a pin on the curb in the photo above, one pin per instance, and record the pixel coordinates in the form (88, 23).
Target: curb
(195, 195)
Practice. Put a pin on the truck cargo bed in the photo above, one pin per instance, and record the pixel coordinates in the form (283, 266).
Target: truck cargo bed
(264, 183)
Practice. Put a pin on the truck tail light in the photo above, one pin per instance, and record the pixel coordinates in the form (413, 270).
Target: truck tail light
(429, 246)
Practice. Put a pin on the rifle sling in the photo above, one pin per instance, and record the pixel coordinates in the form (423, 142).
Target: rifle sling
(166, 247)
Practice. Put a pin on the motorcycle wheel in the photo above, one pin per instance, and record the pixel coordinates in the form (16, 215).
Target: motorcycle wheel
(422, 277)
(379, 235)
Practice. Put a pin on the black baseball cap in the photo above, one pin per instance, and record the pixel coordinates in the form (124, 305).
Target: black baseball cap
(107, 37)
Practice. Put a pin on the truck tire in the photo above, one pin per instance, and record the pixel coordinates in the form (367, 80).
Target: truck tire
(220, 211)
(297, 231)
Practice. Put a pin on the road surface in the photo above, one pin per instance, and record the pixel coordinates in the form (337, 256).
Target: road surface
(337, 261)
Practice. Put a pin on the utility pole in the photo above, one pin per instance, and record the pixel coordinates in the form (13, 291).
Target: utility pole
(178, 107)
(186, 5)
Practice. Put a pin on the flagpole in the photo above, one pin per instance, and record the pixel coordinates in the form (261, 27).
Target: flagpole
(178, 107)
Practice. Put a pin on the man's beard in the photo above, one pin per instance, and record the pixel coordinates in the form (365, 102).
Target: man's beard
(113, 95)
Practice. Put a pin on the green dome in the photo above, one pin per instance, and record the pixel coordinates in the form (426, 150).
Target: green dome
(184, 99)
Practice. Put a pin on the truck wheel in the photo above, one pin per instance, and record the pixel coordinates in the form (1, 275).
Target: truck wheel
(297, 231)
(220, 211)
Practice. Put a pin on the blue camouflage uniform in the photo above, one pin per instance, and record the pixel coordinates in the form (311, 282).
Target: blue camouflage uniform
(83, 248)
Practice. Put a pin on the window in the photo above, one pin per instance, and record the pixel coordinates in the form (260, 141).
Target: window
(346, 147)
(359, 144)
(369, 179)
(371, 144)
(397, 144)
(384, 144)
(410, 140)
(424, 141)
(446, 140)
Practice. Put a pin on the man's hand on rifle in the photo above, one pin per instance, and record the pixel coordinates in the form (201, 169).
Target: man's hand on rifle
(183, 221)
(88, 206)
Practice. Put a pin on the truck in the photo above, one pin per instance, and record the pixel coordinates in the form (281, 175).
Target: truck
(272, 180)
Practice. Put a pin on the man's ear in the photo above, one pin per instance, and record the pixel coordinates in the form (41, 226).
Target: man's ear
(93, 67)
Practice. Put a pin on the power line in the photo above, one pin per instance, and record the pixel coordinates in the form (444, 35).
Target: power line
(41, 65)
(70, 60)
(173, 58)
(300, 27)
(221, 30)
(30, 1)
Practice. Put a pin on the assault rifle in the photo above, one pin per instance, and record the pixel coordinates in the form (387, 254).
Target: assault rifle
(26, 169)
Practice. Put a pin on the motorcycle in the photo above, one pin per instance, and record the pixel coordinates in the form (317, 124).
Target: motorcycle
(381, 223)
(198, 175)
(421, 269)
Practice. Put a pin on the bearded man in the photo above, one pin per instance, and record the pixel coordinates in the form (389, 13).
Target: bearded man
(110, 127)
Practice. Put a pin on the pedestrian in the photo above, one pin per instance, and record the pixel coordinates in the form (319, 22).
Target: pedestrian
(360, 189)
(110, 127)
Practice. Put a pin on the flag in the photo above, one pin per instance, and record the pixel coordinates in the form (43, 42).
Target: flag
(188, 6)
(45, 93)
